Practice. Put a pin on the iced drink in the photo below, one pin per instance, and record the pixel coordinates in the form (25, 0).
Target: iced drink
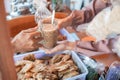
(49, 33)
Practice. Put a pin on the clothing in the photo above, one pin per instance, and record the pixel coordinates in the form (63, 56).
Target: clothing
(93, 8)
(94, 48)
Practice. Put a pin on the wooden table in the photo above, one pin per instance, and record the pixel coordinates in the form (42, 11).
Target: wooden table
(106, 59)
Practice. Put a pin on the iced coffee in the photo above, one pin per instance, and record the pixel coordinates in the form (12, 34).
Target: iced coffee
(49, 33)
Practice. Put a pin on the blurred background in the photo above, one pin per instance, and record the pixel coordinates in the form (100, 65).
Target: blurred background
(15, 8)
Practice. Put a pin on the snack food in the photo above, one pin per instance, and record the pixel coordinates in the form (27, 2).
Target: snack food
(58, 67)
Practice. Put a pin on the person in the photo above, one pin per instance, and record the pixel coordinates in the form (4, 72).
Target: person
(26, 40)
(85, 47)
(77, 17)
(86, 15)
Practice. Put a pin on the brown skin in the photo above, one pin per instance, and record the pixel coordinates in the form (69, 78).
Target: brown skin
(104, 46)
(88, 48)
(78, 17)
(74, 19)
(61, 46)
(26, 40)
(85, 15)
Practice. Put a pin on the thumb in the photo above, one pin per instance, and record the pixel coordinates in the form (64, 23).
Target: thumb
(58, 48)
(31, 30)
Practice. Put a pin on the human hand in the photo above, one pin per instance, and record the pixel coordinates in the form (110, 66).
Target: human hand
(61, 46)
(74, 19)
(27, 40)
(114, 44)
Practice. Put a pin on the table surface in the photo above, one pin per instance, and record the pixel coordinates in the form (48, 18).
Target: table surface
(106, 59)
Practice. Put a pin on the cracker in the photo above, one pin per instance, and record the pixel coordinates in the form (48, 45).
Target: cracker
(28, 75)
(70, 74)
(22, 62)
(18, 69)
(66, 57)
(26, 68)
(38, 68)
(30, 57)
(20, 76)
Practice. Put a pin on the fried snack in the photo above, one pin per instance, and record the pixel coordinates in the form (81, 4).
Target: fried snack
(39, 76)
(20, 76)
(70, 62)
(29, 79)
(34, 75)
(29, 57)
(26, 68)
(66, 57)
(46, 76)
(56, 58)
(59, 63)
(70, 74)
(22, 63)
(18, 68)
(62, 67)
(73, 68)
(38, 62)
(59, 67)
(38, 68)
(28, 75)
(51, 69)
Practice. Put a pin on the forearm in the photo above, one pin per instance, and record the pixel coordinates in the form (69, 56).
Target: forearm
(87, 13)
(88, 52)
(93, 48)
(94, 8)
(86, 45)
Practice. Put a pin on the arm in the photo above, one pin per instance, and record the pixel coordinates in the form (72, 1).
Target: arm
(87, 48)
(85, 15)
(95, 7)
(94, 48)
(26, 40)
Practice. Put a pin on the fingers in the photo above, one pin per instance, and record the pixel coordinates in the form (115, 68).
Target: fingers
(65, 22)
(77, 20)
(47, 51)
(35, 35)
(62, 42)
(31, 30)
(37, 40)
(38, 45)
(60, 47)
